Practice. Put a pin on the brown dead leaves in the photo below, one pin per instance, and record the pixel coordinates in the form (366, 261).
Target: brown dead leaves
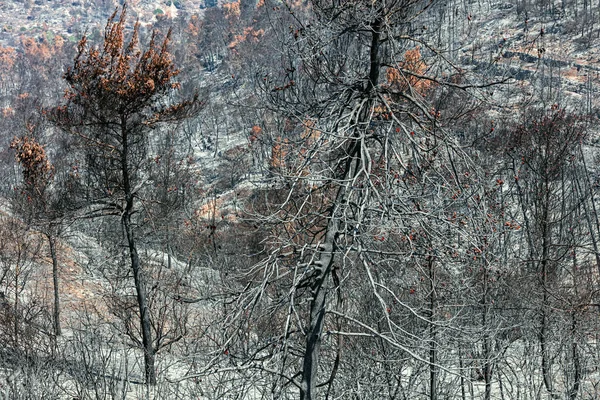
(118, 70)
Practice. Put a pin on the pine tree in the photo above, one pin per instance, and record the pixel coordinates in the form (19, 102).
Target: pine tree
(117, 96)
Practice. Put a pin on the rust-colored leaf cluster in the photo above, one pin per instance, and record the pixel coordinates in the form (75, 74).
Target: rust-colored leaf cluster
(232, 10)
(194, 26)
(118, 71)
(248, 35)
(409, 73)
(36, 49)
(7, 58)
(310, 134)
(279, 152)
(255, 133)
(37, 169)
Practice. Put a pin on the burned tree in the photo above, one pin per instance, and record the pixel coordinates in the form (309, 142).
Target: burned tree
(117, 96)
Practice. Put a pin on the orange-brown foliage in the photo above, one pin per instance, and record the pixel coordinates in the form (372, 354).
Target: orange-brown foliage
(403, 77)
(36, 49)
(7, 58)
(232, 10)
(249, 34)
(58, 42)
(279, 152)
(255, 133)
(7, 111)
(119, 71)
(310, 134)
(37, 169)
(193, 28)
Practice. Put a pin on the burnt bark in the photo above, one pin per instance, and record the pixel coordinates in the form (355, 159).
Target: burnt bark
(138, 277)
(324, 265)
(318, 290)
(55, 282)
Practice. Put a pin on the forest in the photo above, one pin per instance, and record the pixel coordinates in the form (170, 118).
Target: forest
(301, 199)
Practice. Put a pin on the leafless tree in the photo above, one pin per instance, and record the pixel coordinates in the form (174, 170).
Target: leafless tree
(366, 178)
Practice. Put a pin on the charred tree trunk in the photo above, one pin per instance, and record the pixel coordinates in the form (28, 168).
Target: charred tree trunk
(545, 272)
(432, 333)
(308, 386)
(140, 285)
(324, 265)
(574, 390)
(56, 310)
(140, 288)
(487, 340)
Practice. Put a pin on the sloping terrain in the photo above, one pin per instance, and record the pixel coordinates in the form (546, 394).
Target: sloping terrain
(441, 290)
